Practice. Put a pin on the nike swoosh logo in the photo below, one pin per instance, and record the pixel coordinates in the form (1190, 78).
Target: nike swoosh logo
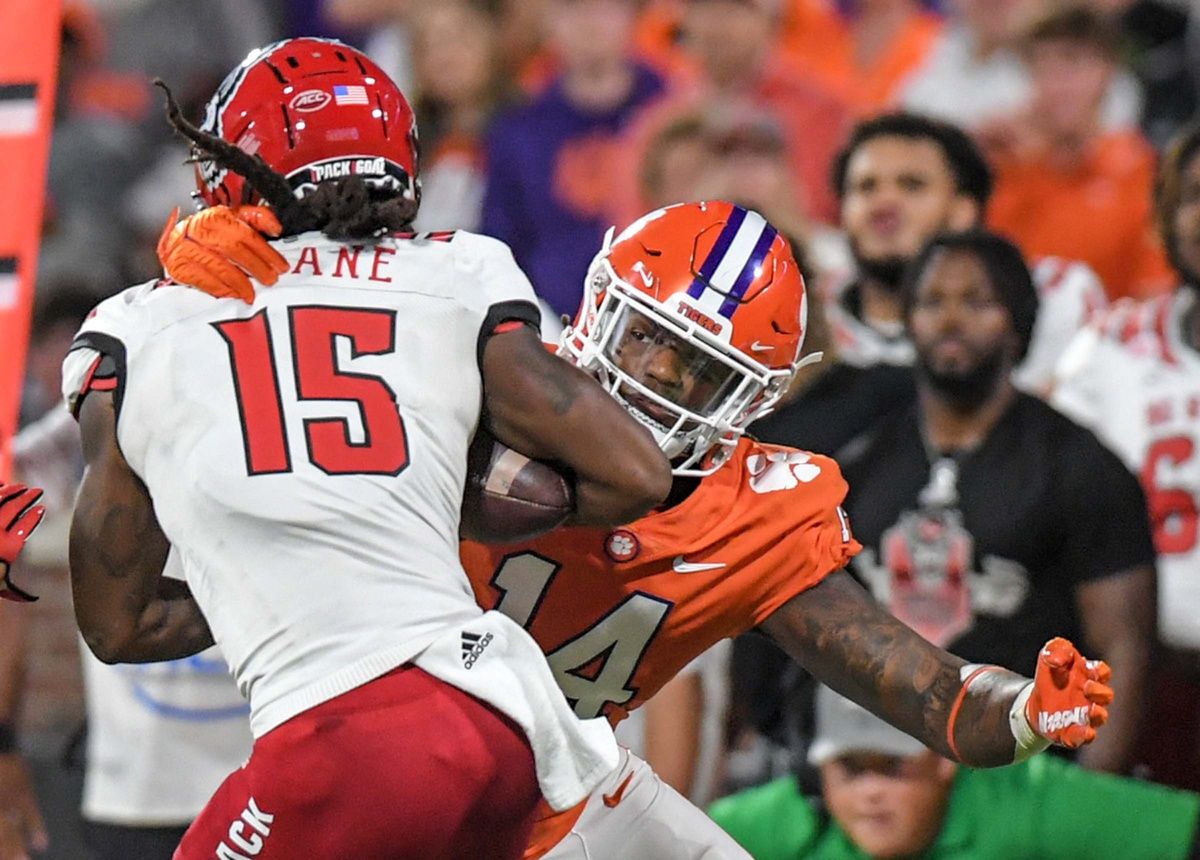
(611, 800)
(760, 347)
(682, 566)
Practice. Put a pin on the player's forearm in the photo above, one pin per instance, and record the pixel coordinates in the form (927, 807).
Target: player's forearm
(548, 409)
(846, 640)
(126, 610)
(126, 613)
(620, 472)
(169, 628)
(133, 620)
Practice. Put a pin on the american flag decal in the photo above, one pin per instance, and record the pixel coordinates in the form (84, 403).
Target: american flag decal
(349, 95)
(9, 283)
(18, 109)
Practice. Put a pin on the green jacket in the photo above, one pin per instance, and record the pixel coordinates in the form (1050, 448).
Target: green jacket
(1045, 808)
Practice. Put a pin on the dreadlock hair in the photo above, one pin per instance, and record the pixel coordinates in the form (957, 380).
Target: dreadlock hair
(343, 209)
(1168, 190)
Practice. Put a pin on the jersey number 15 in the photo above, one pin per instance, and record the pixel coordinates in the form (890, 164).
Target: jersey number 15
(314, 331)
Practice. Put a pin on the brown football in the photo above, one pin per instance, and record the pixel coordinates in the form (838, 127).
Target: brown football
(510, 497)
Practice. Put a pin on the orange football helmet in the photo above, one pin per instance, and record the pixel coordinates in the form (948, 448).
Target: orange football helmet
(717, 286)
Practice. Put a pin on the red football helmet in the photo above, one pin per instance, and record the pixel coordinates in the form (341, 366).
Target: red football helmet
(313, 109)
(716, 285)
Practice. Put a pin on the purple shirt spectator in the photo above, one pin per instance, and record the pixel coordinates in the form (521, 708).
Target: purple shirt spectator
(549, 178)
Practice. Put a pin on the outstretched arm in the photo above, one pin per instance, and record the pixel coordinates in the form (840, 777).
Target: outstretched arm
(846, 640)
(126, 610)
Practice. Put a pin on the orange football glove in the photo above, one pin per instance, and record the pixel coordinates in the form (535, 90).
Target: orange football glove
(215, 248)
(1070, 695)
(19, 516)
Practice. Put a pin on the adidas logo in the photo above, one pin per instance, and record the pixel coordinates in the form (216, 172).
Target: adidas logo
(473, 645)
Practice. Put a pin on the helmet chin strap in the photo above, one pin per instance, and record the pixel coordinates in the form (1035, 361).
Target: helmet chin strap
(677, 450)
(661, 431)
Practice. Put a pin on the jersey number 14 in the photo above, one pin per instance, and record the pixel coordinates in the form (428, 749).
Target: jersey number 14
(594, 668)
(314, 331)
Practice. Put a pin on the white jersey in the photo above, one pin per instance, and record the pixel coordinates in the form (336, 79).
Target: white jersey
(1132, 379)
(307, 454)
(1069, 294)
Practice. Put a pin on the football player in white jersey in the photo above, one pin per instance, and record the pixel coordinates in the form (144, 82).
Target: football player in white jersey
(901, 178)
(1133, 377)
(305, 457)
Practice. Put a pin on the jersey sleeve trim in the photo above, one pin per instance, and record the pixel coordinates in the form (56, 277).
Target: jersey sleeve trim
(516, 310)
(106, 374)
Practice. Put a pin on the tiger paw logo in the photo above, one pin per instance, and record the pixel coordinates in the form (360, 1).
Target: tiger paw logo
(622, 545)
(785, 470)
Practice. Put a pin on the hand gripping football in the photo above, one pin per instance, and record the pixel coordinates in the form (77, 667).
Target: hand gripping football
(510, 497)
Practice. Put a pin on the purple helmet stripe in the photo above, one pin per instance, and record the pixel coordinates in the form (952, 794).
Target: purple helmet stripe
(709, 267)
(749, 272)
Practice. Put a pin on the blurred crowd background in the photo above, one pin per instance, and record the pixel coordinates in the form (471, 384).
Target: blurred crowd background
(545, 122)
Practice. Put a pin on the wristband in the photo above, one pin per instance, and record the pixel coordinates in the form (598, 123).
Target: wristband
(968, 674)
(8, 739)
(1029, 742)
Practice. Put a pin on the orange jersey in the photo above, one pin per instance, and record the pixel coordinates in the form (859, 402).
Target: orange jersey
(822, 42)
(620, 612)
(1099, 213)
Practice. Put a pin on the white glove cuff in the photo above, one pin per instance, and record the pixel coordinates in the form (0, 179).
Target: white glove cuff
(1029, 742)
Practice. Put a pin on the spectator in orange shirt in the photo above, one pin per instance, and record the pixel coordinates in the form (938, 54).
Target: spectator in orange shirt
(862, 50)
(738, 69)
(1065, 187)
(864, 53)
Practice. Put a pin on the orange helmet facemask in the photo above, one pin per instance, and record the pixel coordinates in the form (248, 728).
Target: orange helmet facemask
(693, 318)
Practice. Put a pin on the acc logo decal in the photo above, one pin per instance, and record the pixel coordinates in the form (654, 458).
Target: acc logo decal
(310, 100)
(622, 545)
(781, 471)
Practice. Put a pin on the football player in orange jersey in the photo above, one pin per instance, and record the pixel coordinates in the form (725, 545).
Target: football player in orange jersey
(694, 318)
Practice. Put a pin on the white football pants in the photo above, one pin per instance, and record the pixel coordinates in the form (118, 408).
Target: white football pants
(648, 820)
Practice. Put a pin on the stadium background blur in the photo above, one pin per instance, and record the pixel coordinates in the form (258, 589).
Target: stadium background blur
(545, 121)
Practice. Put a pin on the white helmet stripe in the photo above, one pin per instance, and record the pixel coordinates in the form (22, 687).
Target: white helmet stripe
(736, 258)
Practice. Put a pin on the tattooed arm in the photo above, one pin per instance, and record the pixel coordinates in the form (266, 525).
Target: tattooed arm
(127, 611)
(847, 641)
(548, 409)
